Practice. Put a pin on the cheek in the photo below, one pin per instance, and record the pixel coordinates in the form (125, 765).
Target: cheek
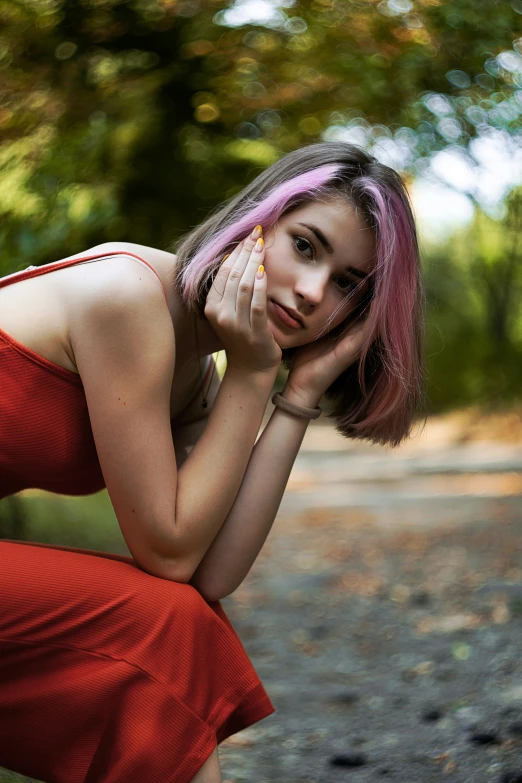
(278, 268)
(345, 311)
(281, 260)
(336, 312)
(325, 323)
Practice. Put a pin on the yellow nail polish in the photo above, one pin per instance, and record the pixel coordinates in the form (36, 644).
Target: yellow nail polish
(260, 272)
(257, 232)
(259, 245)
(227, 256)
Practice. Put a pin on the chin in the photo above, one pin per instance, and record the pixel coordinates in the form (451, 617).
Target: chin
(285, 340)
(279, 338)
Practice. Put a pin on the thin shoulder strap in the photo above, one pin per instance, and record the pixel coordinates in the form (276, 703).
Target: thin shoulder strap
(35, 271)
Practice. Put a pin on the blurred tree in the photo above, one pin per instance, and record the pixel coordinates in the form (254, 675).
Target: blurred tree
(130, 120)
(475, 319)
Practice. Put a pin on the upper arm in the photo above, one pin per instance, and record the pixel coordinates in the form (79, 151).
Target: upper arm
(124, 346)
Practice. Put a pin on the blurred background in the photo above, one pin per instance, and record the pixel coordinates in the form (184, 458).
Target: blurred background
(131, 121)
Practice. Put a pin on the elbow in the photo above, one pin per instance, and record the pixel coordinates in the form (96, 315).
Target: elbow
(175, 570)
(210, 596)
(211, 590)
(214, 585)
(167, 559)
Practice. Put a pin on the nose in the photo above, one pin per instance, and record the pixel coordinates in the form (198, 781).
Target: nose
(310, 286)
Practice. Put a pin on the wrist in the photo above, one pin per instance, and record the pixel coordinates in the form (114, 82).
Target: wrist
(306, 398)
(262, 379)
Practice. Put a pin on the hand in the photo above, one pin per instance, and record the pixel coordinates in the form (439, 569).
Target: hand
(316, 366)
(236, 310)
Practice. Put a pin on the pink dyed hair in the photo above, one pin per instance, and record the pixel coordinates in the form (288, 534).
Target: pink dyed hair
(377, 397)
(208, 258)
(395, 317)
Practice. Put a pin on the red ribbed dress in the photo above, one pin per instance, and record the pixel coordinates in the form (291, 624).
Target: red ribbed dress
(107, 674)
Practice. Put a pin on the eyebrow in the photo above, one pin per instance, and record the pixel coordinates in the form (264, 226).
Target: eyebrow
(329, 249)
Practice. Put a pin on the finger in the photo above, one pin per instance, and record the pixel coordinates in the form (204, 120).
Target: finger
(218, 284)
(236, 273)
(366, 328)
(358, 335)
(246, 286)
(361, 323)
(231, 258)
(258, 314)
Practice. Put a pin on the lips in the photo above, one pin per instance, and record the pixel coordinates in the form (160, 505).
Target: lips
(288, 317)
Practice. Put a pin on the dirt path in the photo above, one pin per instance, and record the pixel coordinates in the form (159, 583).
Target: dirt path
(384, 617)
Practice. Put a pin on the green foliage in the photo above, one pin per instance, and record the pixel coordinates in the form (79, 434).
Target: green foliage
(474, 335)
(130, 121)
(85, 522)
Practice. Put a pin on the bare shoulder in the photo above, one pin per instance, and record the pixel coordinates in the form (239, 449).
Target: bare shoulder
(118, 280)
(121, 302)
(162, 261)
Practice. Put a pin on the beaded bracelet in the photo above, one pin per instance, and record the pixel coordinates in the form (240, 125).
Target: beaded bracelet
(296, 410)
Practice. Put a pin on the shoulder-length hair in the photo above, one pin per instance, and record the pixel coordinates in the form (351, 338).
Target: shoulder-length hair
(376, 398)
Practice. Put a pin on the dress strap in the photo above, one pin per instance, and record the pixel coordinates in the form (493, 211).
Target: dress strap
(35, 271)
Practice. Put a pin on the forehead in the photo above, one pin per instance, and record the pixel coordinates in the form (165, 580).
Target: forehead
(344, 227)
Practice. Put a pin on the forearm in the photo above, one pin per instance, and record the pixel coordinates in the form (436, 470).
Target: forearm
(210, 478)
(248, 524)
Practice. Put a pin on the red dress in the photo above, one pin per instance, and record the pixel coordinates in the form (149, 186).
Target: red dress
(107, 674)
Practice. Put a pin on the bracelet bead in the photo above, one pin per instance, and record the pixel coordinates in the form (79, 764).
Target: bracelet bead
(295, 410)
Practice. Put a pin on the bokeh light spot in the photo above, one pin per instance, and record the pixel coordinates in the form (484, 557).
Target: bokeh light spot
(65, 50)
(310, 125)
(458, 79)
(207, 112)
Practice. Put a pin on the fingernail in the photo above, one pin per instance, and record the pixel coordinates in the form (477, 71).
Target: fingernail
(257, 232)
(260, 272)
(227, 256)
(259, 245)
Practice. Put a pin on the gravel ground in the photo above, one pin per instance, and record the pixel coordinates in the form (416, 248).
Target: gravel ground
(389, 653)
(384, 614)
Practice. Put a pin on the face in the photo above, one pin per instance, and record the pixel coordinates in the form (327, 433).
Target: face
(314, 281)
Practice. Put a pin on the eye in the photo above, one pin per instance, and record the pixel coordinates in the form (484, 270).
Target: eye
(345, 283)
(307, 244)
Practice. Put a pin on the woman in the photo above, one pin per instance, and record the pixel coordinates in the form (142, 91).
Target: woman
(124, 669)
